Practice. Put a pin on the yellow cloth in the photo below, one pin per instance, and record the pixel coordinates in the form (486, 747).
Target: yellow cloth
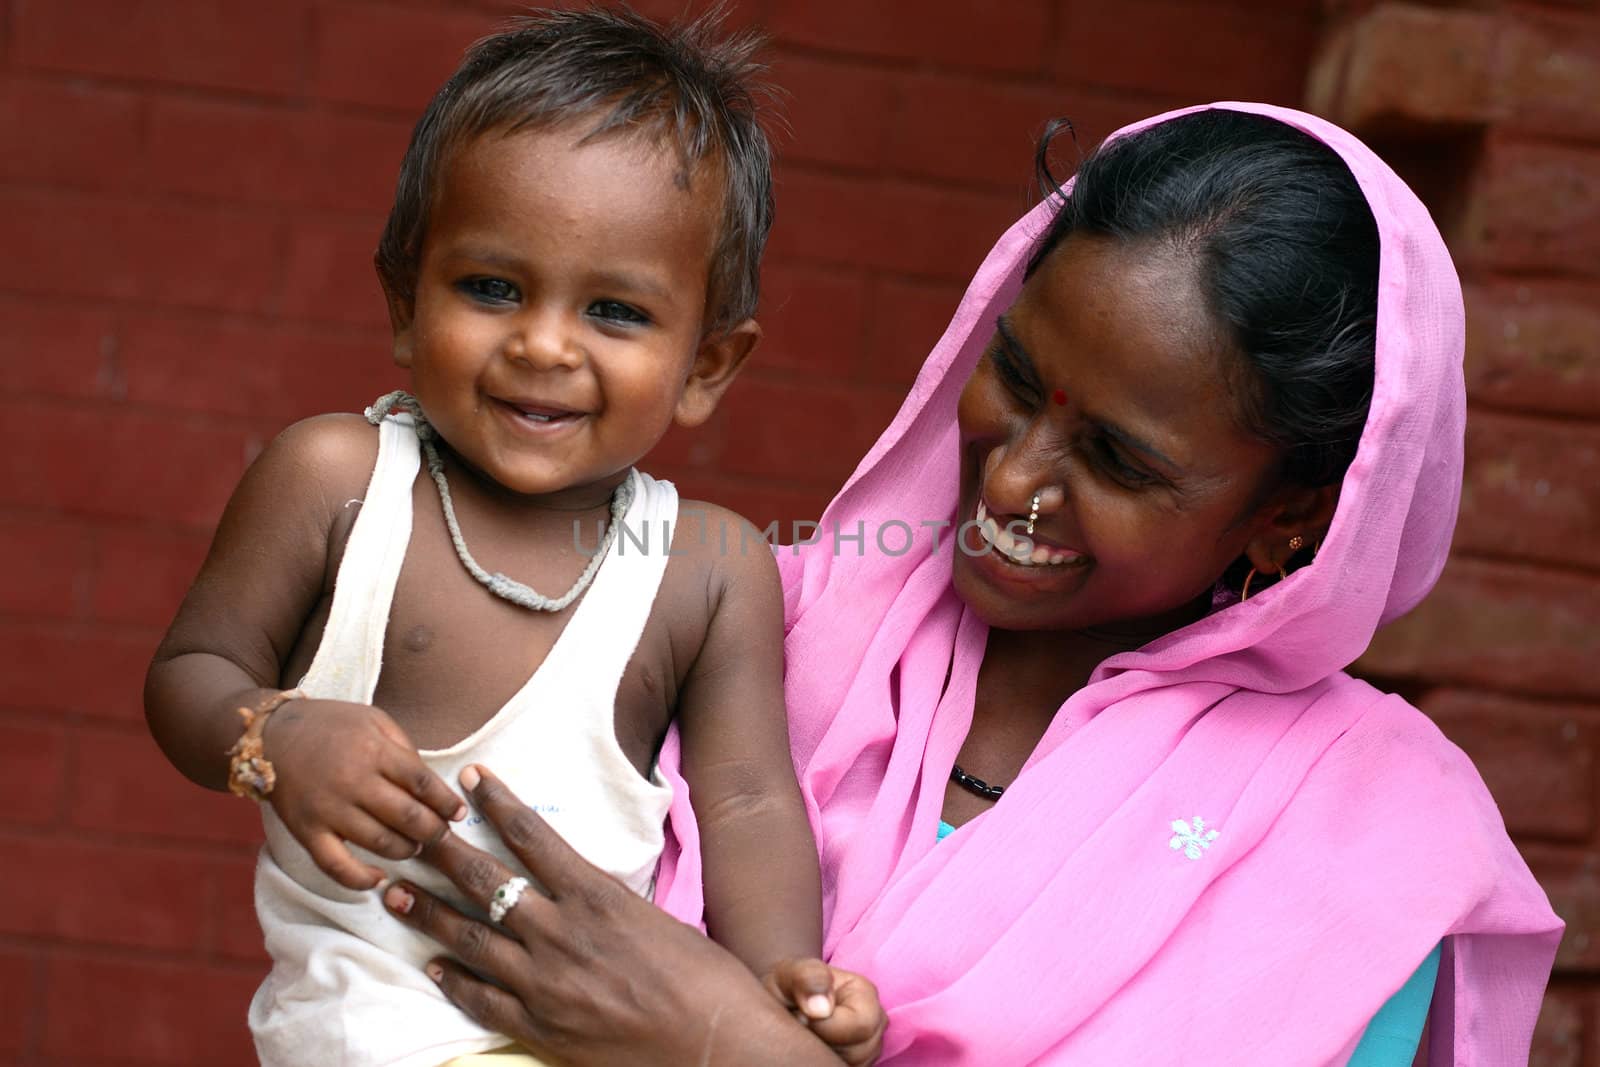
(500, 1057)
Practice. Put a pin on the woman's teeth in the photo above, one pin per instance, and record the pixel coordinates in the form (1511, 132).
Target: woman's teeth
(1021, 551)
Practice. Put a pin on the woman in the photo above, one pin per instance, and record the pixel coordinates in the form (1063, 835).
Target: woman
(1220, 395)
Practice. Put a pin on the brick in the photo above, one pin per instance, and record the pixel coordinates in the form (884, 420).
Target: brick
(814, 321)
(53, 349)
(141, 574)
(1405, 66)
(1198, 51)
(123, 784)
(50, 581)
(1533, 207)
(387, 57)
(77, 246)
(958, 33)
(172, 361)
(908, 318)
(1572, 881)
(68, 135)
(1549, 74)
(979, 132)
(237, 933)
(1558, 1037)
(1534, 347)
(147, 1012)
(805, 434)
(840, 113)
(939, 233)
(17, 994)
(329, 275)
(242, 152)
(123, 464)
(1531, 490)
(1500, 626)
(105, 894)
(252, 47)
(33, 767)
(1536, 758)
(74, 669)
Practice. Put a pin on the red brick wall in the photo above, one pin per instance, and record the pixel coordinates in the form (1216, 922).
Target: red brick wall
(189, 195)
(1494, 109)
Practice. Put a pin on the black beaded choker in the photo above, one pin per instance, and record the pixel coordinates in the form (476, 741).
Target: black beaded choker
(975, 785)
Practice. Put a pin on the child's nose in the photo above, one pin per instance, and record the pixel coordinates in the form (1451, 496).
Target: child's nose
(544, 341)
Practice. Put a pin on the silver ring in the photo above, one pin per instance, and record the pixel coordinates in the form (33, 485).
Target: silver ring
(505, 898)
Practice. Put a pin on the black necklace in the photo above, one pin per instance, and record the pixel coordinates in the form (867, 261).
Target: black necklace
(975, 785)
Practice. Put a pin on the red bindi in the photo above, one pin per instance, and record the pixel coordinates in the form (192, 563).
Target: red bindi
(1060, 397)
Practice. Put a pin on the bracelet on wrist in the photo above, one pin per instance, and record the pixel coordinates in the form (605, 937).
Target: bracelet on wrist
(250, 773)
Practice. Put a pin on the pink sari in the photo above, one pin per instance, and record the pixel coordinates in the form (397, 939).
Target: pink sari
(1077, 922)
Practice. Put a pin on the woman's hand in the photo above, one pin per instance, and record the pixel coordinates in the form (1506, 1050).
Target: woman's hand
(586, 972)
(347, 772)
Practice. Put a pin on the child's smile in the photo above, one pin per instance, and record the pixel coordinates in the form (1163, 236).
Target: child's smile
(559, 304)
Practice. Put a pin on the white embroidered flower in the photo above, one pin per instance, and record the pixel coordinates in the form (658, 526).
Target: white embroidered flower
(1194, 840)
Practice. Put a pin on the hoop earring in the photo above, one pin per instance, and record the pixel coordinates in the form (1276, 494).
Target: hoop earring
(1244, 593)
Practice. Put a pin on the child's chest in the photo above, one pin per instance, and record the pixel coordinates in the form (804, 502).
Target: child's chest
(455, 654)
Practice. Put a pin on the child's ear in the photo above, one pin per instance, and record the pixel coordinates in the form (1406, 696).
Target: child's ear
(716, 364)
(402, 311)
(1297, 511)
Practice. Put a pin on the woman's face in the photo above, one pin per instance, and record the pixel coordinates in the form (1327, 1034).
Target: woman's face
(1110, 381)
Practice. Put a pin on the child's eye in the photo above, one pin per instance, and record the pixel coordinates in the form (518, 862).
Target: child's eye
(490, 290)
(618, 312)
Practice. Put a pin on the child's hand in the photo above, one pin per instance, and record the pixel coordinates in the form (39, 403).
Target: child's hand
(347, 772)
(841, 1007)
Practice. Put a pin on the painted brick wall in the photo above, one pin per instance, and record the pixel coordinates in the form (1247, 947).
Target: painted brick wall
(189, 194)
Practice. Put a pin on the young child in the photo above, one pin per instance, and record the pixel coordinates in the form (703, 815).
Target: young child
(571, 267)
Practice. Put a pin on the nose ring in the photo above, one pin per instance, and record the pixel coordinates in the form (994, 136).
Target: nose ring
(1033, 514)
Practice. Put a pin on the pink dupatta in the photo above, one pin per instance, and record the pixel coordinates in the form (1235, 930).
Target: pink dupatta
(1075, 923)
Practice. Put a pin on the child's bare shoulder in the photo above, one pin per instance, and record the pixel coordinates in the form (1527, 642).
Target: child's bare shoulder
(305, 476)
(334, 451)
(730, 550)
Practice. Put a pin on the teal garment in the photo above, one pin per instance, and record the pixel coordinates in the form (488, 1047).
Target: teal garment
(1393, 1035)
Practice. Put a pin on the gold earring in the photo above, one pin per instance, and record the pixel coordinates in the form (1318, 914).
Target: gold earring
(1244, 594)
(1033, 514)
(1296, 543)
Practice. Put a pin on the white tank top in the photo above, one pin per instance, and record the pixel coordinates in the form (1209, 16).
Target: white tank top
(346, 987)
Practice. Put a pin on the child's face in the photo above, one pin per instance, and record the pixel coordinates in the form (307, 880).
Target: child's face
(556, 330)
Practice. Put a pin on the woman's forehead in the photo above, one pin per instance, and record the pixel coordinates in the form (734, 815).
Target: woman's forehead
(1129, 328)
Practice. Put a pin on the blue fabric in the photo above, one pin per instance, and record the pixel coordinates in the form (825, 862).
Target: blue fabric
(1392, 1037)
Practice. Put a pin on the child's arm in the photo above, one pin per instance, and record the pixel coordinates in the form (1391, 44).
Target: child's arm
(345, 771)
(762, 886)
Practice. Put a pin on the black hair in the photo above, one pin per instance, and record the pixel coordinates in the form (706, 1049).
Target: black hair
(1287, 252)
(686, 82)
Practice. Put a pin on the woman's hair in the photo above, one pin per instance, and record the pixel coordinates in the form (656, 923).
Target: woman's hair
(624, 76)
(1287, 252)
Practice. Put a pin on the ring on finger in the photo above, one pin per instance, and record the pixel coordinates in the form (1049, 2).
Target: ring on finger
(505, 897)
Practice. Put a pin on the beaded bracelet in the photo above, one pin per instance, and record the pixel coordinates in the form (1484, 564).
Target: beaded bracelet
(250, 773)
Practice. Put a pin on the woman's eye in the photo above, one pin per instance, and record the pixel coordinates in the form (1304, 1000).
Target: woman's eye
(1120, 468)
(1012, 375)
(490, 290)
(618, 312)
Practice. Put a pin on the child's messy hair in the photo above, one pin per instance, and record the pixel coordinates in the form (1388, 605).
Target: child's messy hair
(685, 82)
